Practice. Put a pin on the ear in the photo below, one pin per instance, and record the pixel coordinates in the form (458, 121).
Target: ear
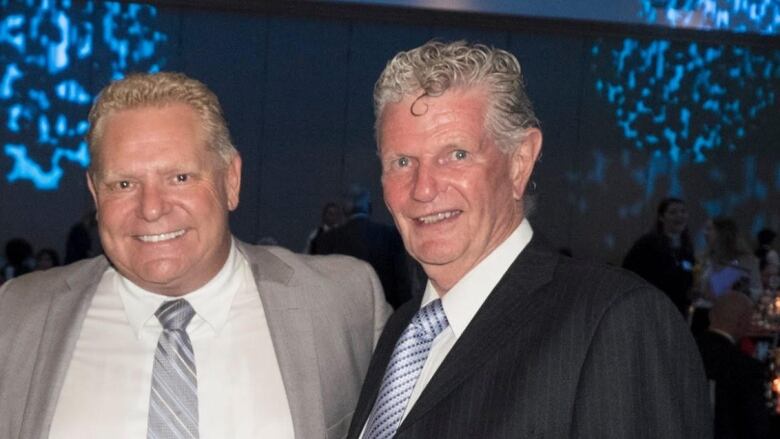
(92, 188)
(93, 191)
(233, 181)
(523, 160)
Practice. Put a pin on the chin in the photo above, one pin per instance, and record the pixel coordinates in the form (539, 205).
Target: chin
(435, 256)
(162, 274)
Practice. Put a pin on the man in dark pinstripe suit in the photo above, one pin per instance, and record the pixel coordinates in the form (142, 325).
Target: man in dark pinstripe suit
(533, 344)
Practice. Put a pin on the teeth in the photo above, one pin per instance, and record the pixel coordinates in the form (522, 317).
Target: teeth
(436, 217)
(161, 237)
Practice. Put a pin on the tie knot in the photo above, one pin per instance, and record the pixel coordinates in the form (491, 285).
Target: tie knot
(175, 314)
(430, 320)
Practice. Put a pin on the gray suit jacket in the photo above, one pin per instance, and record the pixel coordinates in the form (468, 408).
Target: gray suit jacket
(560, 349)
(324, 314)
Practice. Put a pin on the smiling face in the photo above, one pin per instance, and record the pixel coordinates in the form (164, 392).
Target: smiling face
(453, 194)
(163, 199)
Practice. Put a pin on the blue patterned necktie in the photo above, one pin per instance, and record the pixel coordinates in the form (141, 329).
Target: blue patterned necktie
(173, 403)
(405, 366)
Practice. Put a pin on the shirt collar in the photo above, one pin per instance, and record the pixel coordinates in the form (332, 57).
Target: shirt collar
(465, 298)
(211, 302)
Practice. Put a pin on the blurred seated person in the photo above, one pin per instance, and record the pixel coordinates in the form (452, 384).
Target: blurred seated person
(664, 256)
(46, 258)
(332, 217)
(727, 261)
(378, 244)
(726, 265)
(739, 380)
(18, 257)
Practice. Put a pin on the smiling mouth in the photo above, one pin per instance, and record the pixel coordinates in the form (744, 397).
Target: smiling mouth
(438, 217)
(162, 236)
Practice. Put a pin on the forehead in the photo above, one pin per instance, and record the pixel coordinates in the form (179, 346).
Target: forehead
(175, 118)
(174, 127)
(456, 113)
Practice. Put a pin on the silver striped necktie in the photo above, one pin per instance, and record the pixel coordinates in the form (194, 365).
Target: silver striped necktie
(173, 403)
(404, 368)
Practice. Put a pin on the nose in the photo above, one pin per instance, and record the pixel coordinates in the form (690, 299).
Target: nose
(426, 184)
(153, 203)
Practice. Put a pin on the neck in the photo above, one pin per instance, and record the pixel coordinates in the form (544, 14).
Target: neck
(445, 276)
(441, 290)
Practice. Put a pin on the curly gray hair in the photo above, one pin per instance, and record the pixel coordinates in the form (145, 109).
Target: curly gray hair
(435, 67)
(156, 90)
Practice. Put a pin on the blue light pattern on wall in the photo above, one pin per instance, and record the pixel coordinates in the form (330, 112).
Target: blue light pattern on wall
(685, 100)
(47, 50)
(759, 16)
(680, 105)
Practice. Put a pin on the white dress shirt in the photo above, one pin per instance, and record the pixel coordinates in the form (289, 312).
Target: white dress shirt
(240, 390)
(463, 301)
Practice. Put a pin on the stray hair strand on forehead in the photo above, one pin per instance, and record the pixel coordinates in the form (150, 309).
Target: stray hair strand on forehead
(436, 67)
(139, 90)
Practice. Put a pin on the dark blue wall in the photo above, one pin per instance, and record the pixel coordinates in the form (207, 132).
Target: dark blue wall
(297, 93)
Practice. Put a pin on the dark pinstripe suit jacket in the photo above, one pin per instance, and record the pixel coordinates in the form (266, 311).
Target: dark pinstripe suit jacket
(560, 349)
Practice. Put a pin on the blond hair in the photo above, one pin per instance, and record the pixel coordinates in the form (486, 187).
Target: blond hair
(140, 90)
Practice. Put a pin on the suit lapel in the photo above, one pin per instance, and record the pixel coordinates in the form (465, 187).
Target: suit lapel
(289, 323)
(509, 307)
(67, 310)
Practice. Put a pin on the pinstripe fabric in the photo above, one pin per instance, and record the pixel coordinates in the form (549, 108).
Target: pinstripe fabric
(405, 366)
(562, 348)
(173, 403)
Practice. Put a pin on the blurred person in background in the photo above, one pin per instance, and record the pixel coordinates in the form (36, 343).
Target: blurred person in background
(83, 240)
(664, 256)
(378, 244)
(726, 265)
(764, 240)
(19, 258)
(769, 260)
(46, 258)
(332, 216)
(739, 380)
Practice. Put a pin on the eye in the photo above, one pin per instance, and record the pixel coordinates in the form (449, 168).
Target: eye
(459, 154)
(396, 163)
(182, 178)
(121, 185)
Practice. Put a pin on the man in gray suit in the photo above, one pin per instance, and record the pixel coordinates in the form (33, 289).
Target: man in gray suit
(181, 330)
(509, 339)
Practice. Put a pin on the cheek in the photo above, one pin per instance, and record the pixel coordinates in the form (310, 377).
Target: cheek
(393, 192)
(207, 202)
(494, 189)
(112, 213)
